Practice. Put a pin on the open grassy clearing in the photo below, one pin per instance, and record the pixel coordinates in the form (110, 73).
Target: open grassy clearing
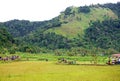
(50, 71)
(80, 21)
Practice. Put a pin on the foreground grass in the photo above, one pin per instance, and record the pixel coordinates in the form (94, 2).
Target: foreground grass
(50, 71)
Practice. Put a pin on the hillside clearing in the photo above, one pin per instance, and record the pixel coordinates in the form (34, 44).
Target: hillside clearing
(80, 21)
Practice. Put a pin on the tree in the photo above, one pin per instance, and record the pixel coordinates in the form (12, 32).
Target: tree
(68, 11)
(84, 9)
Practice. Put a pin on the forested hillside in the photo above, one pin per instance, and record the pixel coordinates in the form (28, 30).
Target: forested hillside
(20, 28)
(6, 41)
(81, 28)
(105, 34)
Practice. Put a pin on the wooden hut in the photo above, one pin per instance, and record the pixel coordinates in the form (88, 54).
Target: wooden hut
(116, 55)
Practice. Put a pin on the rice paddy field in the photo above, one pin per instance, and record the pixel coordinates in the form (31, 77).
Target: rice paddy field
(37, 70)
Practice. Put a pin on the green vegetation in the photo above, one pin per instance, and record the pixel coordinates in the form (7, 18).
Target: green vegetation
(83, 37)
(84, 30)
(104, 34)
(50, 71)
(84, 9)
(39, 66)
(20, 28)
(102, 59)
(5, 38)
(77, 23)
(114, 7)
(6, 41)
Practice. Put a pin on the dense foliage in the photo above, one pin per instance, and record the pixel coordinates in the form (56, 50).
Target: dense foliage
(114, 7)
(68, 11)
(20, 28)
(104, 34)
(48, 40)
(6, 40)
(84, 9)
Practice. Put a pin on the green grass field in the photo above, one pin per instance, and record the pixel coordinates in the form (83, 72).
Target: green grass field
(50, 71)
(53, 57)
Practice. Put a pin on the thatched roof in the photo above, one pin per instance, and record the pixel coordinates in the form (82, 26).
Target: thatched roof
(116, 55)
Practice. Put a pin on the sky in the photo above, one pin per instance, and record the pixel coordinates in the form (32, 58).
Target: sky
(39, 10)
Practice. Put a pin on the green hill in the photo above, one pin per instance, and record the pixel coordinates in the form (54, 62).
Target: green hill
(77, 29)
(70, 23)
(77, 22)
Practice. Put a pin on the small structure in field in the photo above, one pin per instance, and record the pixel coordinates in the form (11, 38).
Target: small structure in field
(65, 61)
(10, 58)
(115, 59)
(116, 55)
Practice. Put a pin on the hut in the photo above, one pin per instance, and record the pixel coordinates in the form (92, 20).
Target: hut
(116, 55)
(115, 58)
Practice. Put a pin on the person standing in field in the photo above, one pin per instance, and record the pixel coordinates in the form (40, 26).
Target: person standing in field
(113, 60)
(109, 61)
(119, 60)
